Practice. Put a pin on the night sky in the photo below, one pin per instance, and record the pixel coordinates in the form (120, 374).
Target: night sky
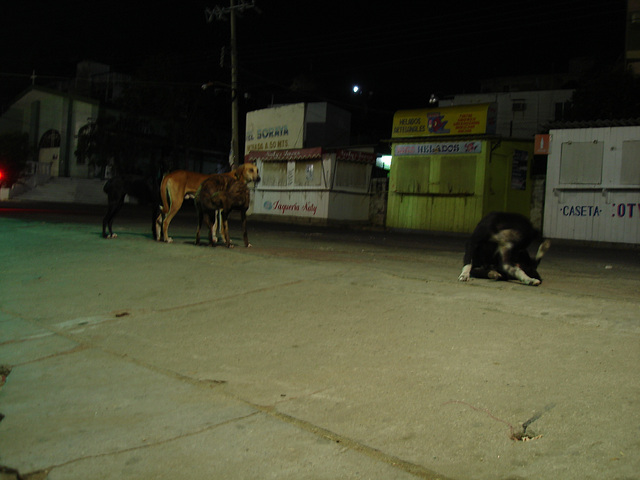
(399, 53)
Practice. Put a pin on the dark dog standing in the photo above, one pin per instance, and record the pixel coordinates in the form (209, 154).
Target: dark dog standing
(497, 249)
(225, 194)
(116, 188)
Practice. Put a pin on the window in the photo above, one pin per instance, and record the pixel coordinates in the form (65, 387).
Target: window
(308, 174)
(560, 109)
(630, 167)
(50, 139)
(518, 105)
(352, 175)
(412, 174)
(453, 174)
(274, 174)
(581, 162)
(436, 175)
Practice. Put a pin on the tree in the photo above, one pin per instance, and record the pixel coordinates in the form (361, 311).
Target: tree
(613, 96)
(14, 153)
(155, 122)
(185, 114)
(124, 141)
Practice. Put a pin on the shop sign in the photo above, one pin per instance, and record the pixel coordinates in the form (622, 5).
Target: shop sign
(276, 128)
(541, 145)
(439, 148)
(459, 120)
(356, 156)
(287, 207)
(284, 155)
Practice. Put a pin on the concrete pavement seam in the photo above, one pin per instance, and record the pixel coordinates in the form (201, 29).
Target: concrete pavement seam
(235, 295)
(411, 468)
(414, 469)
(155, 444)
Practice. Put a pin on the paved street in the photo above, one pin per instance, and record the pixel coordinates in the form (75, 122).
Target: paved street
(319, 353)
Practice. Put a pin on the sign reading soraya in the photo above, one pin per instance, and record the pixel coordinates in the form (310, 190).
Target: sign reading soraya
(275, 128)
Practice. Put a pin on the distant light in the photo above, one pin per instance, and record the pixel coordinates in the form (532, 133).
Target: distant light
(384, 161)
(356, 88)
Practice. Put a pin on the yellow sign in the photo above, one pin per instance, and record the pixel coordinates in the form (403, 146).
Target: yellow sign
(459, 120)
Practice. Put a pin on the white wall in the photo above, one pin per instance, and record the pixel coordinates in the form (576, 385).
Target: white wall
(318, 189)
(52, 110)
(539, 108)
(593, 185)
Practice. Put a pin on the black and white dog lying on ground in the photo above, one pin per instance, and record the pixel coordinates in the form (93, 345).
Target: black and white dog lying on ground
(497, 249)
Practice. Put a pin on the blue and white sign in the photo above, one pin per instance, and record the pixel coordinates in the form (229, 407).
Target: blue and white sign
(439, 148)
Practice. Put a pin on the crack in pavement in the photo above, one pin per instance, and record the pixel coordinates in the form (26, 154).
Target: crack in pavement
(50, 468)
(347, 443)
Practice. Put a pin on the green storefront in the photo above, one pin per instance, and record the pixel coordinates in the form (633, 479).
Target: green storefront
(449, 169)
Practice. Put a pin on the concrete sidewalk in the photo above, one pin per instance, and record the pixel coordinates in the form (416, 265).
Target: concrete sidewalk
(315, 354)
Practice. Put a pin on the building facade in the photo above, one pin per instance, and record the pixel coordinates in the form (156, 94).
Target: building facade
(52, 119)
(449, 169)
(518, 114)
(593, 185)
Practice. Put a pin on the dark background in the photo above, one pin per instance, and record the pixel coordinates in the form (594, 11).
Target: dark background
(399, 52)
(402, 50)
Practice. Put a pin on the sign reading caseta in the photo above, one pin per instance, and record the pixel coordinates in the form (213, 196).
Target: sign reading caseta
(460, 120)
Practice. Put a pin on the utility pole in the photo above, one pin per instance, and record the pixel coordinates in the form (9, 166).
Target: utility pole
(235, 114)
(220, 13)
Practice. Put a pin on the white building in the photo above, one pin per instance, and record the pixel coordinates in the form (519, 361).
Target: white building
(309, 175)
(593, 185)
(520, 114)
(52, 120)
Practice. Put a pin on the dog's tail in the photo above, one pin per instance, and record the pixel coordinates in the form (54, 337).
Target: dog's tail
(542, 249)
(164, 194)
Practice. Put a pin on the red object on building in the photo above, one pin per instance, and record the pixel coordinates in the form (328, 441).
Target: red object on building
(541, 145)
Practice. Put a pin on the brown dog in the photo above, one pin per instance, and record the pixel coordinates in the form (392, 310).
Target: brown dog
(221, 193)
(181, 184)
